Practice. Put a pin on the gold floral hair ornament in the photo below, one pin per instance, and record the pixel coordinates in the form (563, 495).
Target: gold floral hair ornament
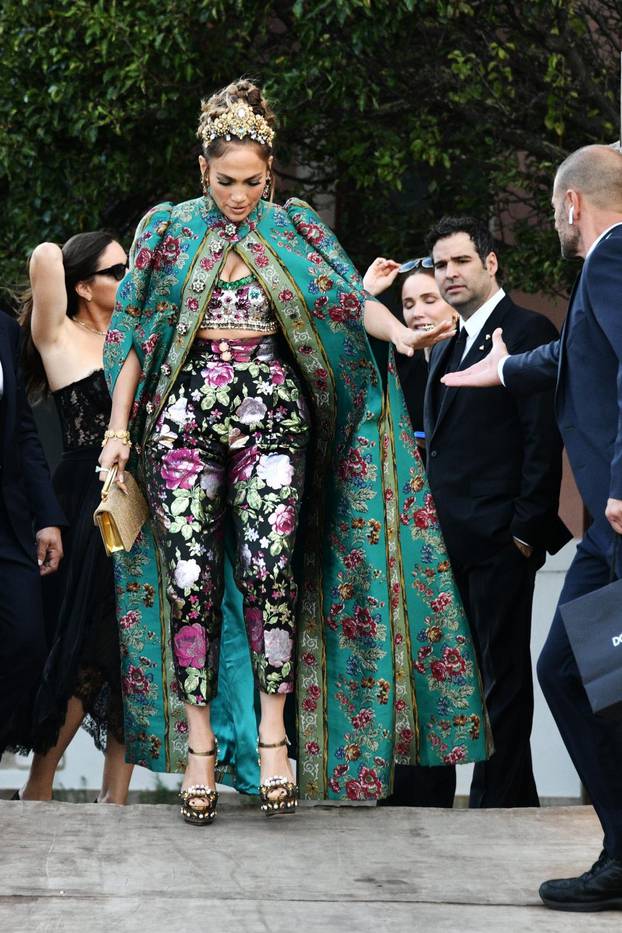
(239, 120)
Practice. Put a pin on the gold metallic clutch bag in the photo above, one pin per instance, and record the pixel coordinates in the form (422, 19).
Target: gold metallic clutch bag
(120, 517)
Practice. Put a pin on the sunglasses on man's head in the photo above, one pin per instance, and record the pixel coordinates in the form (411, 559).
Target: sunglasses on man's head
(423, 262)
(117, 271)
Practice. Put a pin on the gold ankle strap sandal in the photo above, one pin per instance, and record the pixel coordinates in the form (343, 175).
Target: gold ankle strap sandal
(277, 794)
(203, 812)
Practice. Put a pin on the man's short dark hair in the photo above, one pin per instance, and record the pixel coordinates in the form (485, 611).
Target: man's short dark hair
(477, 230)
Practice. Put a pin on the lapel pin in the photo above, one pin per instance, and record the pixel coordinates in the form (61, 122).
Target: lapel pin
(482, 347)
(487, 336)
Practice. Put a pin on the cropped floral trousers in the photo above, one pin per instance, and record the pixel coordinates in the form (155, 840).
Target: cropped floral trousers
(232, 435)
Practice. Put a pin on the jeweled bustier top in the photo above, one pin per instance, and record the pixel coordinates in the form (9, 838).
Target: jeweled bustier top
(239, 305)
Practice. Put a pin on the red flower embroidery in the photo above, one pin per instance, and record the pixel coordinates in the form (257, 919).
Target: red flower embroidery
(441, 602)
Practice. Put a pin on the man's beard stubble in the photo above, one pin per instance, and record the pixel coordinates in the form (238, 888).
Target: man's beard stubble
(569, 242)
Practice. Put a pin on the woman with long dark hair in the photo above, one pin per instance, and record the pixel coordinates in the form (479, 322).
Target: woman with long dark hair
(65, 316)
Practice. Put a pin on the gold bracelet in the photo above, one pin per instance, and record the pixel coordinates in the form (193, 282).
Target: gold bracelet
(123, 436)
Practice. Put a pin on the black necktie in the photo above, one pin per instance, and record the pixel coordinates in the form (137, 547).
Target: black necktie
(454, 358)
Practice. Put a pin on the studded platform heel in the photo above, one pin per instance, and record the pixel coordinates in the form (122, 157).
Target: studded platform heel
(277, 794)
(203, 813)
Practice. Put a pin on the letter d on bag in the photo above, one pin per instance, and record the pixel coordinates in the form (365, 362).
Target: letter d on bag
(617, 640)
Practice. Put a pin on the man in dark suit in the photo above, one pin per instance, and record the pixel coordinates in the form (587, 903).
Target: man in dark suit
(494, 466)
(30, 543)
(584, 367)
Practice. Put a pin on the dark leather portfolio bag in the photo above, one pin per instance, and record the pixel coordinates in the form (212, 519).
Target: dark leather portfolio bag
(594, 626)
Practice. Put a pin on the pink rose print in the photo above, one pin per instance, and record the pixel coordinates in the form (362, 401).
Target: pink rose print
(243, 465)
(276, 470)
(277, 646)
(218, 374)
(190, 647)
(277, 374)
(283, 519)
(251, 411)
(180, 468)
(254, 624)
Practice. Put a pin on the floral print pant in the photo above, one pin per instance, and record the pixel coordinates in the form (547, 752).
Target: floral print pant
(232, 434)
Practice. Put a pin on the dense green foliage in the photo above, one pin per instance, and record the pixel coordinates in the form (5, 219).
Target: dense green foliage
(403, 109)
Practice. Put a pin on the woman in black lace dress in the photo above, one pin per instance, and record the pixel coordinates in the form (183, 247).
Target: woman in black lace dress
(65, 319)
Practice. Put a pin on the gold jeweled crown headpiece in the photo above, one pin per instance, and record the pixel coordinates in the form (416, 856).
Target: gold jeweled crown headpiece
(238, 120)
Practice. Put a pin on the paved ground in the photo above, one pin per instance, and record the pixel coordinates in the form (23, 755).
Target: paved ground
(83, 868)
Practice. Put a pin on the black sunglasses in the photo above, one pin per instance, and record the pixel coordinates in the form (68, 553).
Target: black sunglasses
(117, 271)
(423, 262)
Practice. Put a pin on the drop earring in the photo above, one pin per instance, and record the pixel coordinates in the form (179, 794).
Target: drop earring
(267, 188)
(571, 215)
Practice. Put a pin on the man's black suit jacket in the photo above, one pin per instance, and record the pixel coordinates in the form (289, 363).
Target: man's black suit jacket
(584, 368)
(494, 460)
(26, 492)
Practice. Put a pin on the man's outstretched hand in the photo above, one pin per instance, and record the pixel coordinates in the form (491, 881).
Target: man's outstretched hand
(482, 374)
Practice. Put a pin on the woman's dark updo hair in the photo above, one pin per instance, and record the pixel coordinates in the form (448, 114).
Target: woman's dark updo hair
(80, 257)
(242, 91)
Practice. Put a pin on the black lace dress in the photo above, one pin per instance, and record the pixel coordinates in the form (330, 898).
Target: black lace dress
(79, 600)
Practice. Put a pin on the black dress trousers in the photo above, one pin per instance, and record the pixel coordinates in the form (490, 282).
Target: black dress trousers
(22, 638)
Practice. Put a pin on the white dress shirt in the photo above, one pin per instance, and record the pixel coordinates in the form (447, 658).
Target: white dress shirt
(478, 319)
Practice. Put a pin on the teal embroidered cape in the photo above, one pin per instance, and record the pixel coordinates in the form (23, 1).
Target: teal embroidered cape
(385, 663)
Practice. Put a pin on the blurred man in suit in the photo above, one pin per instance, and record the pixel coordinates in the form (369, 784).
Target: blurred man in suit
(584, 368)
(494, 466)
(30, 544)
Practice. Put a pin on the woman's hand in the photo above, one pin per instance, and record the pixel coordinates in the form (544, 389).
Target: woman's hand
(406, 341)
(114, 453)
(380, 275)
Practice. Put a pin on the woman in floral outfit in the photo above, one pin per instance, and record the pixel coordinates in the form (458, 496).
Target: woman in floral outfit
(231, 306)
